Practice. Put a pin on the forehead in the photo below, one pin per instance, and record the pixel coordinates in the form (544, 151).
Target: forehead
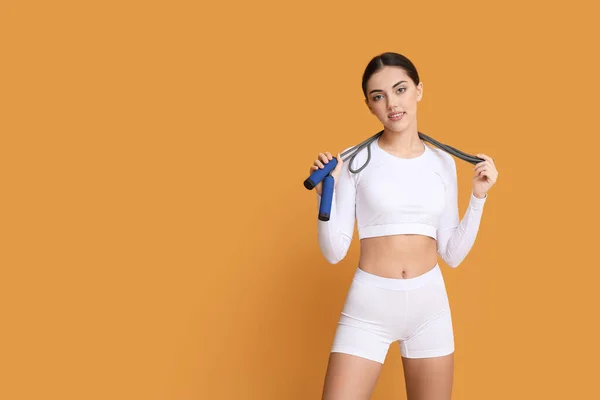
(387, 77)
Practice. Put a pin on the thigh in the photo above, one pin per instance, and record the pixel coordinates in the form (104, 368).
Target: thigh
(350, 377)
(429, 378)
(429, 331)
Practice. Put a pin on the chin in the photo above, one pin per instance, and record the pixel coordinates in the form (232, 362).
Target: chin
(396, 126)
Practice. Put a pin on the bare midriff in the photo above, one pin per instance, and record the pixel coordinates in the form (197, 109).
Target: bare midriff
(398, 256)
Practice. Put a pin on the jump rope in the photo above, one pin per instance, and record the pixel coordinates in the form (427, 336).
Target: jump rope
(323, 174)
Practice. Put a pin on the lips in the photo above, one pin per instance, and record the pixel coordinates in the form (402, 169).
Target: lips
(395, 116)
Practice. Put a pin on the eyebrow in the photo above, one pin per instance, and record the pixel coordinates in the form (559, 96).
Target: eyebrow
(378, 90)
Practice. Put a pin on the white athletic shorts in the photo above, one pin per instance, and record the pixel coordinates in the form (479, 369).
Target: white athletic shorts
(379, 311)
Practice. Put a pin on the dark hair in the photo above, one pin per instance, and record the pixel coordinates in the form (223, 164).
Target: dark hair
(389, 59)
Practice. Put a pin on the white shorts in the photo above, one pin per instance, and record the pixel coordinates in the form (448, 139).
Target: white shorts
(379, 311)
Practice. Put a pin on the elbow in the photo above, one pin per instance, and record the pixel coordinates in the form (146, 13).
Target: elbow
(452, 256)
(451, 260)
(333, 258)
(332, 253)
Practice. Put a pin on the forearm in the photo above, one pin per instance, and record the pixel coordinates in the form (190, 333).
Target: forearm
(455, 243)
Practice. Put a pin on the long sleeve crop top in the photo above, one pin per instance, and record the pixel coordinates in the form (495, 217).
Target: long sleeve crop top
(394, 195)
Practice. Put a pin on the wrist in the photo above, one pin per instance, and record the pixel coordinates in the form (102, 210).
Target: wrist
(479, 195)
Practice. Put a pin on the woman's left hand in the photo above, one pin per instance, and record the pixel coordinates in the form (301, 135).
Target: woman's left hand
(485, 176)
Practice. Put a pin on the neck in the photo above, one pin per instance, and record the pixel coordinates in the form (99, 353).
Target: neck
(405, 143)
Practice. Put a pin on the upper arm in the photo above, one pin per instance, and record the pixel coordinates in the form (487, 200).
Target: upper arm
(449, 219)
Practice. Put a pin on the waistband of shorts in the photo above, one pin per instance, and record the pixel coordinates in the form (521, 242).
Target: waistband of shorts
(398, 283)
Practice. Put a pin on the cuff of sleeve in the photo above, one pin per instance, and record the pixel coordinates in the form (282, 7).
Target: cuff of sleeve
(476, 202)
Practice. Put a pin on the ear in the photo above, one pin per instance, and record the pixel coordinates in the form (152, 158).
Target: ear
(419, 91)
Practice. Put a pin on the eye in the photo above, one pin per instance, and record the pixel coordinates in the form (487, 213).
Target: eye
(401, 88)
(375, 97)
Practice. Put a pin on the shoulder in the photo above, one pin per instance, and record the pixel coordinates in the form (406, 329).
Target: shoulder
(444, 164)
(356, 158)
(442, 158)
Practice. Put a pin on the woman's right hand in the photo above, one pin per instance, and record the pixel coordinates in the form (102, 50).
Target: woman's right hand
(320, 162)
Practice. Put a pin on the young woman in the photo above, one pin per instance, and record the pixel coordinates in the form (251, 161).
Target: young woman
(405, 203)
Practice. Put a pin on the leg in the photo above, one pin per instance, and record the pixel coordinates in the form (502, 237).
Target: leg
(350, 377)
(354, 362)
(365, 330)
(428, 348)
(429, 378)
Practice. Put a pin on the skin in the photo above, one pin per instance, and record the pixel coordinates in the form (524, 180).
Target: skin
(397, 256)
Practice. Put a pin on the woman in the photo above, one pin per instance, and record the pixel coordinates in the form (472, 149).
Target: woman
(405, 203)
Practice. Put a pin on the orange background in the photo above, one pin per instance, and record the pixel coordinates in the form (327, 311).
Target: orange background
(157, 242)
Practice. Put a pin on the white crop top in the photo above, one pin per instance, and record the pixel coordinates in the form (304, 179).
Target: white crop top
(393, 196)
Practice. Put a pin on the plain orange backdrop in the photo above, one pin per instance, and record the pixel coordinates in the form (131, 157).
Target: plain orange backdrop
(156, 239)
